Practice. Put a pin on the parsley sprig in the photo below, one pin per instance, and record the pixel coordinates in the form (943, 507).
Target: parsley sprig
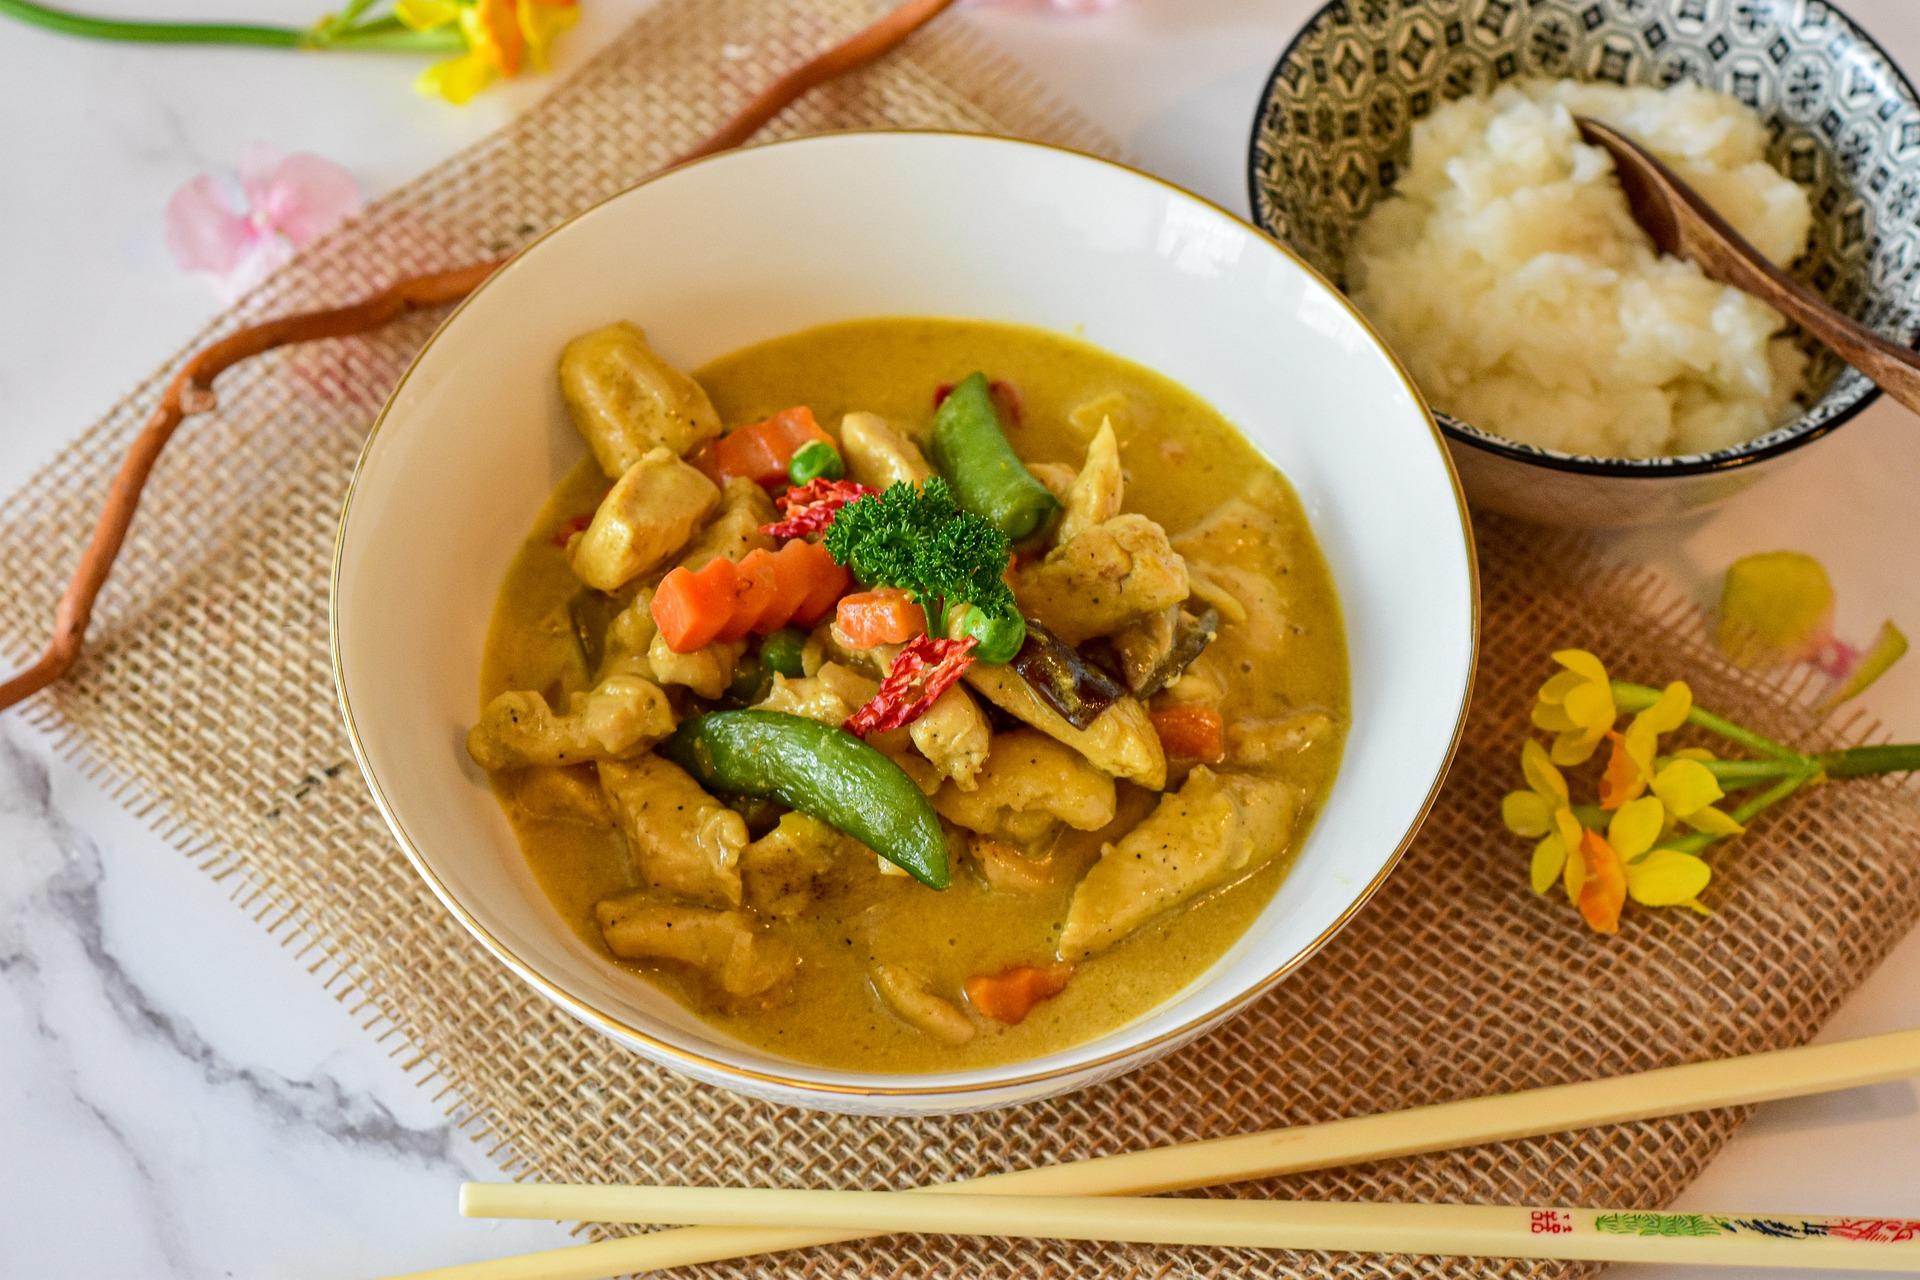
(920, 541)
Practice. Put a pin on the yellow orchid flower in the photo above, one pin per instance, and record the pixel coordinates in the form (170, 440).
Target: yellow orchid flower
(1576, 706)
(1606, 870)
(1543, 810)
(1688, 789)
(1668, 878)
(1596, 880)
(1630, 764)
(503, 37)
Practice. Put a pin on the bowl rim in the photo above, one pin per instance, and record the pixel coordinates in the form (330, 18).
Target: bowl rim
(1798, 432)
(703, 1065)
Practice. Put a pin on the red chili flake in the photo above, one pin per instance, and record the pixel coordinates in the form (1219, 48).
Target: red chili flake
(1004, 396)
(564, 534)
(924, 669)
(809, 508)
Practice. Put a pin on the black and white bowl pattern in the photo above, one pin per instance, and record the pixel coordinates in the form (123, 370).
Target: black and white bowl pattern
(1335, 126)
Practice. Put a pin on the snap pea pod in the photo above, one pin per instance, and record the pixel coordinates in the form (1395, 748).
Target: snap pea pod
(988, 478)
(823, 772)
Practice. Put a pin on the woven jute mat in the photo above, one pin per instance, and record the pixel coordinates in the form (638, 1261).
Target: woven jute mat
(206, 703)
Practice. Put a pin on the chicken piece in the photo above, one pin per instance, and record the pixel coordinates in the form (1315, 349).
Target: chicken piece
(1027, 785)
(1008, 870)
(741, 960)
(1112, 574)
(786, 870)
(1214, 829)
(570, 795)
(1143, 647)
(1057, 476)
(919, 770)
(879, 456)
(707, 671)
(1238, 563)
(1271, 743)
(1120, 742)
(907, 994)
(830, 695)
(648, 515)
(629, 636)
(621, 716)
(744, 507)
(625, 400)
(684, 842)
(953, 734)
(1095, 495)
(1201, 684)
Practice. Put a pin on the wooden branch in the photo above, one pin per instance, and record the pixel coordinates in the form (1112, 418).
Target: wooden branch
(191, 390)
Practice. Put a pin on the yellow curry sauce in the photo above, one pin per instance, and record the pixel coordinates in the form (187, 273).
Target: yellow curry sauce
(1182, 462)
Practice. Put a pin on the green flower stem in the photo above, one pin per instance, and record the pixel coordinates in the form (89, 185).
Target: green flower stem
(390, 35)
(1740, 773)
(1860, 762)
(81, 24)
(1638, 697)
(381, 35)
(1773, 795)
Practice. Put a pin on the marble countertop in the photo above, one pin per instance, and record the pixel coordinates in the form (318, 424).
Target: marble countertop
(181, 1097)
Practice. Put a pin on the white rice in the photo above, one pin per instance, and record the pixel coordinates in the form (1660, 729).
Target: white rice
(1508, 273)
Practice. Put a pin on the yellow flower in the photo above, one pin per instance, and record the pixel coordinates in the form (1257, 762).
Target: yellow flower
(1596, 880)
(1604, 871)
(1543, 810)
(1668, 878)
(1630, 764)
(502, 36)
(1576, 706)
(1688, 789)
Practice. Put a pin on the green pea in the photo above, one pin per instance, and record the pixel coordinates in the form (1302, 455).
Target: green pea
(997, 636)
(815, 460)
(781, 651)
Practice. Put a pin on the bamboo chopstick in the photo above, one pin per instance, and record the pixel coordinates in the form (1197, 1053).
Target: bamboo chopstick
(1700, 1086)
(1450, 1230)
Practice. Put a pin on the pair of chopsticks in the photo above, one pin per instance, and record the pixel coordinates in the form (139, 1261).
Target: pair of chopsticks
(724, 1222)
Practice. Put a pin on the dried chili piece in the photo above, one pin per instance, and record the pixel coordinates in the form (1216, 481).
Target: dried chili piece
(924, 669)
(809, 508)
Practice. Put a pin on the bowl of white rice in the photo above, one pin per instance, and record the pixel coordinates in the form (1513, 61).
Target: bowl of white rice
(1425, 159)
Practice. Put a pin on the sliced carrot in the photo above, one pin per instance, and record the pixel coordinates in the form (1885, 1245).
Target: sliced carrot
(829, 580)
(885, 615)
(760, 451)
(1009, 996)
(690, 608)
(1191, 733)
(762, 593)
(758, 594)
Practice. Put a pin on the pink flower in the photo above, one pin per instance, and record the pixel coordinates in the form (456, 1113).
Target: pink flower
(286, 201)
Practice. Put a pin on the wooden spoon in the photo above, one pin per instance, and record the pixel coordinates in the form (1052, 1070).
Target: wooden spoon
(1682, 224)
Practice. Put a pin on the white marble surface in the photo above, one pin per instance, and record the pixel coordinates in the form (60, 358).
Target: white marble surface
(180, 1098)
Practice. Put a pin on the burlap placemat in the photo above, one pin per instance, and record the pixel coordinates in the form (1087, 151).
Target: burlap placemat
(206, 703)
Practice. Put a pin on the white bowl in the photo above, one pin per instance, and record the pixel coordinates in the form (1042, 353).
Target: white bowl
(752, 244)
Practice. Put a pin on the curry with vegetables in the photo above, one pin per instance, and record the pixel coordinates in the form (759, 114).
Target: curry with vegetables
(910, 694)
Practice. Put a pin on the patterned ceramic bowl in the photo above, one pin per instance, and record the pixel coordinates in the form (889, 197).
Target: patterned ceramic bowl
(1335, 125)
